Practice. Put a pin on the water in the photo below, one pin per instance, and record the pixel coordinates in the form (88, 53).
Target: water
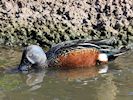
(76, 84)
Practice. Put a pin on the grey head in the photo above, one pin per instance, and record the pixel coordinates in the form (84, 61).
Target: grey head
(33, 57)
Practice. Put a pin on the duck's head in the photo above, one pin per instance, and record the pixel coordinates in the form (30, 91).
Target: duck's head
(33, 57)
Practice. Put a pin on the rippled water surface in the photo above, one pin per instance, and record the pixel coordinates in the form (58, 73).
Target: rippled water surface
(76, 84)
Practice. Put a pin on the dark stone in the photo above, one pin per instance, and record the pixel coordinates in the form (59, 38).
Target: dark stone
(84, 21)
(67, 15)
(19, 4)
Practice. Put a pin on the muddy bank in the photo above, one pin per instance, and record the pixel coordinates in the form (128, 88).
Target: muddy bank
(45, 22)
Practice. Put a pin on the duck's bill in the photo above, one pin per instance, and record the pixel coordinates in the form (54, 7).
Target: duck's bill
(24, 67)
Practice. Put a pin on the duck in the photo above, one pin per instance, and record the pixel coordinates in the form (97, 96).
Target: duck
(71, 54)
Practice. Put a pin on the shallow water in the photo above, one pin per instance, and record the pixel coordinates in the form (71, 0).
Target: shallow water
(76, 84)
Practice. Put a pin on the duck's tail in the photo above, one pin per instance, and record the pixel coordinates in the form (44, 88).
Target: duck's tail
(117, 53)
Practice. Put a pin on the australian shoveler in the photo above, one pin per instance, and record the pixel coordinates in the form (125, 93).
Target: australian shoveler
(70, 54)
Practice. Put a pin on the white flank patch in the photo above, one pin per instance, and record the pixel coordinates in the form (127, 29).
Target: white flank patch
(102, 57)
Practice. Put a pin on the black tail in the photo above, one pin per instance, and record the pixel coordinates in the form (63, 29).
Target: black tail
(120, 52)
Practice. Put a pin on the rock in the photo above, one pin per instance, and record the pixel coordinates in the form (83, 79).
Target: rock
(46, 22)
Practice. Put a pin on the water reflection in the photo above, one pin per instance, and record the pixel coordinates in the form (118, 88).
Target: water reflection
(104, 88)
(108, 89)
(78, 73)
(74, 84)
(2, 95)
(125, 61)
(34, 79)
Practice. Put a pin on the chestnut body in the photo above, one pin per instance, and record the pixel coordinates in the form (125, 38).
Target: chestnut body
(86, 57)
